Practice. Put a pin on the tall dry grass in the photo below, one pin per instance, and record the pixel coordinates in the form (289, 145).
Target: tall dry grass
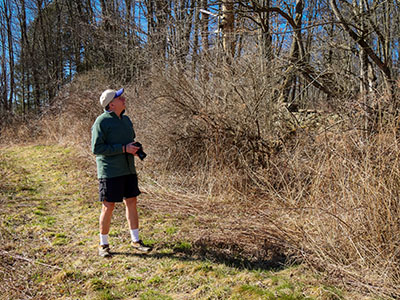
(341, 208)
(313, 185)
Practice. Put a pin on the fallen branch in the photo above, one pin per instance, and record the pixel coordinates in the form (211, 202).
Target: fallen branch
(5, 253)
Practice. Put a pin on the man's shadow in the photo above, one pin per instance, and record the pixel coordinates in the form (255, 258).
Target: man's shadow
(265, 258)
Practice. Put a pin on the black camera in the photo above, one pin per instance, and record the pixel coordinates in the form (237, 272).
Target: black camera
(140, 152)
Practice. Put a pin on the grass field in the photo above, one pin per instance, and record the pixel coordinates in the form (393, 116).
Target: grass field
(49, 235)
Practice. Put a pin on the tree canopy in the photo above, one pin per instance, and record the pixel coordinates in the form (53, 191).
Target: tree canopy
(326, 49)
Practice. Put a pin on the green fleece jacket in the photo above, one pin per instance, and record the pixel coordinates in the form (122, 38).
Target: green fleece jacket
(109, 134)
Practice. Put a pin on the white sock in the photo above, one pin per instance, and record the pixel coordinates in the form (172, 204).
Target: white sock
(103, 239)
(135, 235)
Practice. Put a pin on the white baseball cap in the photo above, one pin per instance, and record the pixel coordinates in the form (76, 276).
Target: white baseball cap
(109, 95)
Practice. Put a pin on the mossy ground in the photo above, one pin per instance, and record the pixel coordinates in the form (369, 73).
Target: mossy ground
(49, 237)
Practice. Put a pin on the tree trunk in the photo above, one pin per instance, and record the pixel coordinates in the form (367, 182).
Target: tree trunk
(363, 54)
(228, 27)
(25, 57)
(204, 37)
(8, 15)
(196, 38)
(265, 36)
(204, 27)
(3, 79)
(295, 55)
(161, 14)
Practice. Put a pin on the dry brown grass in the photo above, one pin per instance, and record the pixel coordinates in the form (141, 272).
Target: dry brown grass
(344, 219)
(220, 147)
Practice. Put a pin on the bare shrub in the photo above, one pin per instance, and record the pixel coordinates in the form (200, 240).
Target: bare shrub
(19, 129)
(227, 119)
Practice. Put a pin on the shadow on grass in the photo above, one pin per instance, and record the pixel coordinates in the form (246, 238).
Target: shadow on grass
(269, 259)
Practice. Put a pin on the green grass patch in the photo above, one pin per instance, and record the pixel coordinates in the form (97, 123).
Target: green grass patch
(154, 295)
(45, 221)
(156, 280)
(171, 230)
(182, 246)
(97, 284)
(109, 295)
(60, 239)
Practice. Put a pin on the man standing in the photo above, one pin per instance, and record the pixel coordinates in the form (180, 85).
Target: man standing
(112, 143)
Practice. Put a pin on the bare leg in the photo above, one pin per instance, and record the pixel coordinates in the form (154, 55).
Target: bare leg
(133, 221)
(105, 216)
(131, 212)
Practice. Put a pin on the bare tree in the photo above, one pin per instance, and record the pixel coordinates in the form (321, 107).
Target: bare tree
(204, 26)
(228, 27)
(25, 53)
(265, 31)
(296, 55)
(362, 42)
(3, 62)
(8, 13)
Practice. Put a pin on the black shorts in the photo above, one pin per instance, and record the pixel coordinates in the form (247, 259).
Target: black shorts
(117, 188)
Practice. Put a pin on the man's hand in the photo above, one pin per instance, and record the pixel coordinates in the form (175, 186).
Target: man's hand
(130, 148)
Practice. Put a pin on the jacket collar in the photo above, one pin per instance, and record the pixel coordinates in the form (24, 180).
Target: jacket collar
(113, 114)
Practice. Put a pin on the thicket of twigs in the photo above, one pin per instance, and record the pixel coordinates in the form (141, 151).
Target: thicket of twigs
(315, 184)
